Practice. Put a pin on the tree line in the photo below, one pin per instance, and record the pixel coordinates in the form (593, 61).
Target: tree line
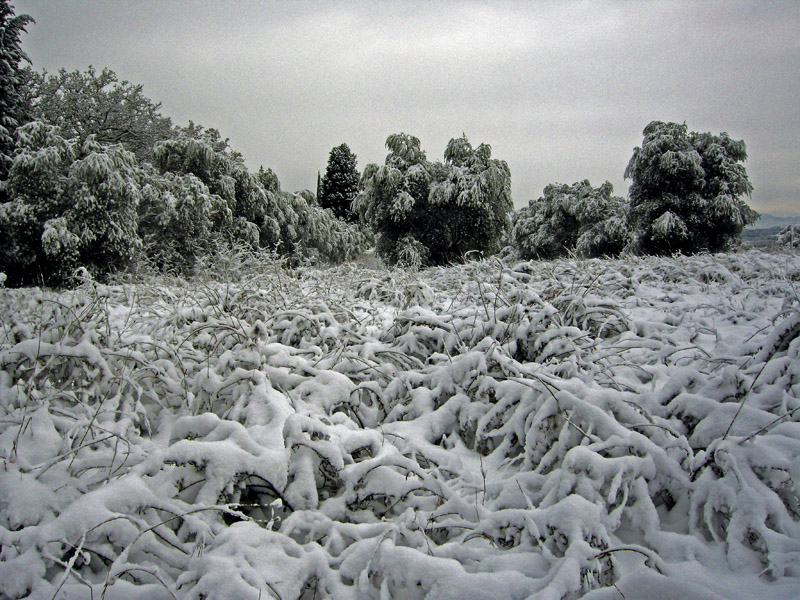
(92, 175)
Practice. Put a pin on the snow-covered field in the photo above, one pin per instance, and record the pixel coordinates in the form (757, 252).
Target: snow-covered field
(598, 429)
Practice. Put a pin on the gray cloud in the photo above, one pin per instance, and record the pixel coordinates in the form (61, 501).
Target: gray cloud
(561, 90)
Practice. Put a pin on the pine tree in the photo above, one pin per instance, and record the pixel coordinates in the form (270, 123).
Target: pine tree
(339, 185)
(12, 81)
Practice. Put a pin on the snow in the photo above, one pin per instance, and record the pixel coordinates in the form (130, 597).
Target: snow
(569, 429)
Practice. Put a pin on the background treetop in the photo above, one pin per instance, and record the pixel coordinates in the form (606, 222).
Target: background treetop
(96, 103)
(339, 185)
(687, 190)
(13, 106)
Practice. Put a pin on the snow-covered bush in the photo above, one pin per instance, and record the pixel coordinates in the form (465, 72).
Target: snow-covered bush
(237, 207)
(178, 220)
(578, 218)
(565, 429)
(309, 230)
(435, 212)
(687, 190)
(70, 204)
(789, 237)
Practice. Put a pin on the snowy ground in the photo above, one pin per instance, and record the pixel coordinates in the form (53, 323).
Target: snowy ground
(598, 429)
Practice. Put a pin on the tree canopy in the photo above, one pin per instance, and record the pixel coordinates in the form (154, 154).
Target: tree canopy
(433, 213)
(87, 103)
(687, 190)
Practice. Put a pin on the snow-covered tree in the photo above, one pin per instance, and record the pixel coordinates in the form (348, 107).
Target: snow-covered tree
(339, 185)
(789, 237)
(434, 213)
(71, 204)
(178, 215)
(392, 196)
(13, 108)
(571, 218)
(243, 201)
(88, 103)
(686, 191)
(472, 202)
(243, 208)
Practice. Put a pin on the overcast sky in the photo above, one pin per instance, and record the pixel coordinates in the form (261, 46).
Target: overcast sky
(560, 90)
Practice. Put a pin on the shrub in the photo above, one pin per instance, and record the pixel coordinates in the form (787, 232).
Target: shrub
(70, 204)
(577, 218)
(310, 232)
(177, 218)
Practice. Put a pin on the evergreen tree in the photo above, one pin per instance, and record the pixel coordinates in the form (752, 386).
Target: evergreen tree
(13, 109)
(339, 185)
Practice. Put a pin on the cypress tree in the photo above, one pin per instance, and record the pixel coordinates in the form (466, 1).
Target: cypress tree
(339, 185)
(13, 111)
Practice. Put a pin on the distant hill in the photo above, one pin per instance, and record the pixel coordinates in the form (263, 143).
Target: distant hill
(761, 237)
(770, 221)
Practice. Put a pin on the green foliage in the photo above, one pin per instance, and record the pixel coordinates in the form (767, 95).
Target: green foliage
(339, 185)
(71, 204)
(101, 175)
(177, 217)
(434, 213)
(235, 205)
(788, 237)
(88, 103)
(687, 188)
(224, 203)
(578, 218)
(85, 204)
(13, 108)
